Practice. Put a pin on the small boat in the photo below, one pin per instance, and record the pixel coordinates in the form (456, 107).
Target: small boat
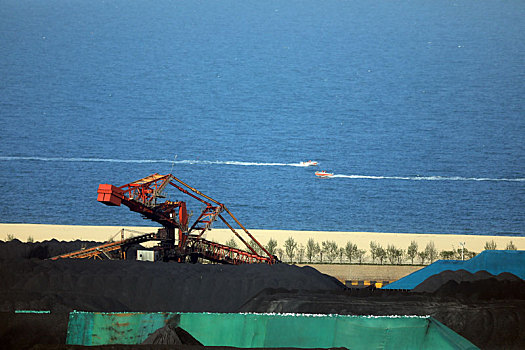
(323, 174)
(308, 163)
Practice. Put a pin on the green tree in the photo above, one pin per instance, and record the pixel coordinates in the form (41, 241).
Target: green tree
(381, 254)
(232, 243)
(373, 251)
(461, 253)
(466, 253)
(300, 253)
(256, 247)
(312, 249)
(350, 251)
(330, 249)
(490, 245)
(470, 254)
(412, 251)
(10, 237)
(30, 239)
(422, 256)
(511, 246)
(341, 254)
(400, 255)
(395, 255)
(290, 245)
(392, 253)
(431, 251)
(271, 246)
(360, 255)
(280, 253)
(447, 254)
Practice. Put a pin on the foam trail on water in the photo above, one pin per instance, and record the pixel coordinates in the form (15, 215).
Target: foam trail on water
(239, 163)
(107, 160)
(110, 160)
(428, 178)
(233, 162)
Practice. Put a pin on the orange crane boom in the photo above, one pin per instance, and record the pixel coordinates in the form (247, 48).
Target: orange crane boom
(143, 196)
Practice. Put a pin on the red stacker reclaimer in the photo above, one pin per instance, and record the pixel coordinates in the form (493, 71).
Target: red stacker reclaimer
(178, 240)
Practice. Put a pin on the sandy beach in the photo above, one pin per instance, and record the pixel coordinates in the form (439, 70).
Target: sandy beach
(474, 243)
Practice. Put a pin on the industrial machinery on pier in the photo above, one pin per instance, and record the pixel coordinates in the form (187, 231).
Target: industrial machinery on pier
(178, 240)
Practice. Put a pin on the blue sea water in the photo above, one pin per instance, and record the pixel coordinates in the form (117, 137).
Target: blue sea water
(416, 106)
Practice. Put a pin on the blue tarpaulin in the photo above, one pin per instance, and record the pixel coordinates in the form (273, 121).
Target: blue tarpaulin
(492, 261)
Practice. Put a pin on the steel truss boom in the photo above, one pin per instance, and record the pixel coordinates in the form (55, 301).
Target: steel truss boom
(104, 249)
(142, 196)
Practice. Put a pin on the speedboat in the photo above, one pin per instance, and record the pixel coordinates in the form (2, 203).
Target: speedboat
(308, 163)
(323, 174)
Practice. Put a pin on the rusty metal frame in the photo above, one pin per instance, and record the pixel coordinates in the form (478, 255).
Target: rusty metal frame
(141, 196)
(97, 251)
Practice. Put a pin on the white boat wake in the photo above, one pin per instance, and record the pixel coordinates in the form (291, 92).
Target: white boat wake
(111, 160)
(427, 178)
(240, 163)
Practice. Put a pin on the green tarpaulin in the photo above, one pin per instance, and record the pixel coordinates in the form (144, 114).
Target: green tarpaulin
(269, 330)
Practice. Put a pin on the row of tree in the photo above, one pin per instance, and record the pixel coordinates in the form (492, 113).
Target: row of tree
(330, 252)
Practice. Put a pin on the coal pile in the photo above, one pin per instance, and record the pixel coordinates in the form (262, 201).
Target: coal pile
(448, 277)
(111, 285)
(485, 309)
(171, 333)
(23, 331)
(15, 250)
(31, 283)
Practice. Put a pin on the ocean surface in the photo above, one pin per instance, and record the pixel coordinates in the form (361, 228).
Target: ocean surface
(417, 107)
